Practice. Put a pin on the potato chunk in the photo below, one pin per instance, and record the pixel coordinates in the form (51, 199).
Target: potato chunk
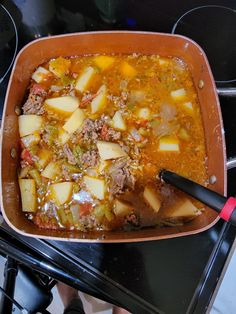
(178, 94)
(63, 136)
(40, 74)
(75, 121)
(44, 156)
(152, 198)
(183, 208)
(127, 70)
(84, 79)
(29, 124)
(103, 62)
(64, 105)
(51, 171)
(188, 106)
(61, 192)
(118, 121)
(59, 66)
(122, 208)
(108, 150)
(28, 195)
(99, 102)
(168, 144)
(95, 186)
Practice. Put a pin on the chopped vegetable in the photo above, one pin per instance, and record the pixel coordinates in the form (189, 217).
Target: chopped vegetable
(144, 113)
(64, 105)
(40, 74)
(95, 186)
(87, 100)
(122, 208)
(74, 208)
(118, 121)
(30, 140)
(59, 66)
(51, 171)
(75, 121)
(36, 176)
(63, 136)
(99, 101)
(61, 192)
(26, 155)
(151, 197)
(127, 70)
(84, 209)
(44, 157)
(29, 124)
(84, 79)
(188, 105)
(183, 134)
(178, 94)
(108, 150)
(181, 208)
(103, 62)
(28, 195)
(168, 144)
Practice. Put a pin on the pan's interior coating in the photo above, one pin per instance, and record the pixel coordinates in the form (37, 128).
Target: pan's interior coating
(95, 130)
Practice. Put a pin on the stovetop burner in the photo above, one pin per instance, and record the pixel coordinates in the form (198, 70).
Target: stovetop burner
(8, 42)
(214, 29)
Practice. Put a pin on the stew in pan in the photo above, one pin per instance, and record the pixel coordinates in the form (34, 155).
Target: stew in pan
(95, 130)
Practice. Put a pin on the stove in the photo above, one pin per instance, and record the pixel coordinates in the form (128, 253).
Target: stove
(176, 275)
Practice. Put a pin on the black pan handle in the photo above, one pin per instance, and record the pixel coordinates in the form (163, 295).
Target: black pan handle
(225, 207)
(226, 91)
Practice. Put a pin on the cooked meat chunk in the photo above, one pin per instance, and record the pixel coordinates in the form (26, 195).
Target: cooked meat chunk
(35, 100)
(69, 155)
(90, 158)
(121, 177)
(94, 130)
(132, 219)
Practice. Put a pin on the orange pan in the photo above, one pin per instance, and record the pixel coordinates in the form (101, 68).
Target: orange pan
(43, 49)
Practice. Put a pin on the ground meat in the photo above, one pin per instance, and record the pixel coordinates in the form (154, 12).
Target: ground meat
(93, 130)
(88, 222)
(65, 172)
(121, 177)
(69, 155)
(35, 100)
(90, 158)
(132, 219)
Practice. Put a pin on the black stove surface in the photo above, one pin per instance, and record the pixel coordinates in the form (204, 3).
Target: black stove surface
(177, 275)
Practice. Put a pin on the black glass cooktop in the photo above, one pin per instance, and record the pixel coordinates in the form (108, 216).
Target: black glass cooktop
(177, 275)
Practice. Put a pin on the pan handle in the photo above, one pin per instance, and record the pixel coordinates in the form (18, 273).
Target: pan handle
(231, 163)
(226, 91)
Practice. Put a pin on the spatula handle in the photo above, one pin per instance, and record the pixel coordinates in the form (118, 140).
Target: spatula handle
(226, 207)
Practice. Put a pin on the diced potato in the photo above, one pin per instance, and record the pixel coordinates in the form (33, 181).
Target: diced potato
(61, 192)
(103, 62)
(188, 105)
(103, 165)
(36, 176)
(118, 121)
(168, 144)
(64, 105)
(84, 79)
(29, 124)
(178, 94)
(59, 66)
(99, 102)
(74, 208)
(40, 74)
(24, 172)
(122, 208)
(44, 156)
(127, 70)
(28, 195)
(182, 208)
(63, 136)
(75, 121)
(108, 150)
(144, 113)
(31, 139)
(95, 186)
(151, 197)
(51, 171)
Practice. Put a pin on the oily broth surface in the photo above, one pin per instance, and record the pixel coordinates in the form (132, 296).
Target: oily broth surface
(150, 85)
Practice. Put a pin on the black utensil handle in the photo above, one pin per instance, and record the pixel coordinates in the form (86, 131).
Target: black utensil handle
(226, 207)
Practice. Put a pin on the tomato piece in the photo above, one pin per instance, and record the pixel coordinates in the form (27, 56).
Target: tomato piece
(25, 155)
(84, 209)
(38, 89)
(104, 132)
